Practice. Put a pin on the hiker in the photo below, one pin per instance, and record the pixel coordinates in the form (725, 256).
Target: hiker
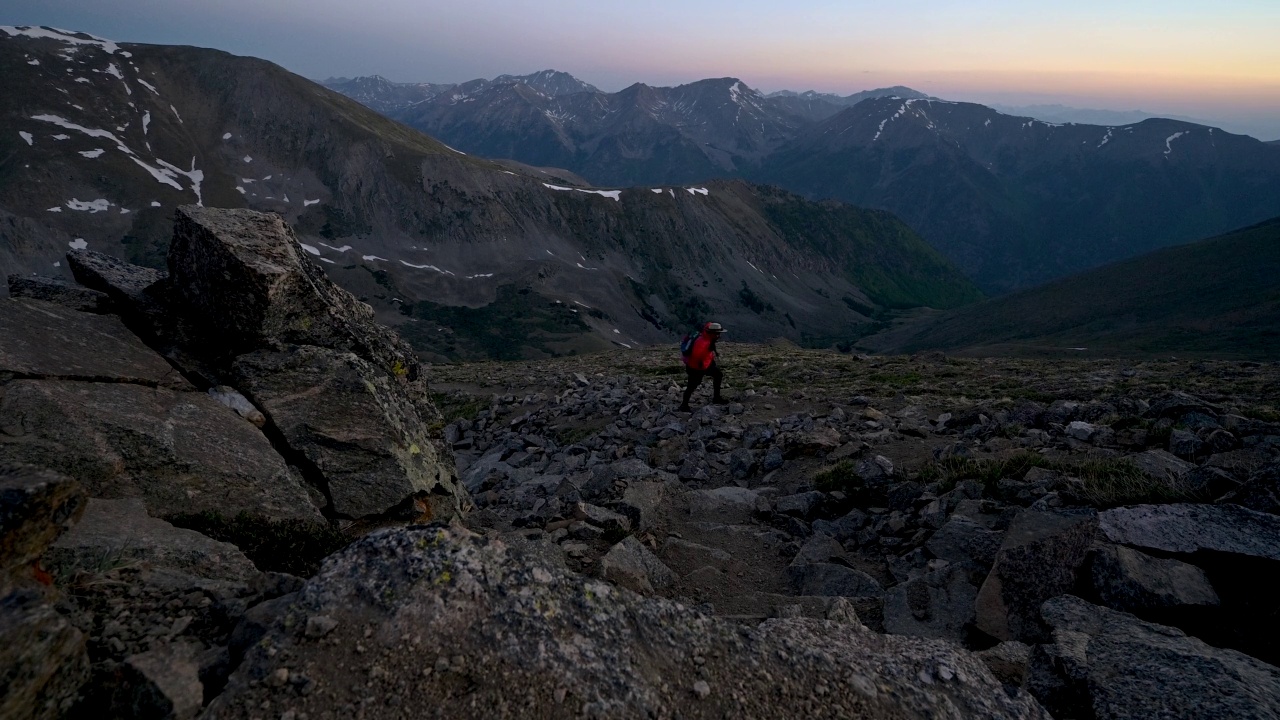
(698, 351)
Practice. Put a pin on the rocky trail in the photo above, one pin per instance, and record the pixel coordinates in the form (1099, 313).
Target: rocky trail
(226, 492)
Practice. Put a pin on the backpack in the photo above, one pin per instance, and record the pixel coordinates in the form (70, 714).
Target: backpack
(686, 344)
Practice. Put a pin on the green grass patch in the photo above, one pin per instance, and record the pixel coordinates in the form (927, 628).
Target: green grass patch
(841, 477)
(457, 406)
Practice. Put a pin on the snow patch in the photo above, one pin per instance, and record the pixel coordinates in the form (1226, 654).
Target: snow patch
(309, 203)
(342, 249)
(146, 120)
(1107, 138)
(988, 122)
(698, 191)
(372, 257)
(556, 187)
(83, 80)
(92, 153)
(247, 159)
(226, 136)
(327, 260)
(91, 206)
(240, 189)
(175, 114)
(149, 86)
(310, 248)
(195, 176)
(657, 191)
(33, 61)
(61, 136)
(481, 275)
(26, 136)
(425, 267)
(78, 244)
(614, 194)
(65, 36)
(155, 204)
(1168, 142)
(113, 70)
(57, 208)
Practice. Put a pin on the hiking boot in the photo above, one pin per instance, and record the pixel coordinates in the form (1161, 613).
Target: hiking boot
(684, 408)
(719, 401)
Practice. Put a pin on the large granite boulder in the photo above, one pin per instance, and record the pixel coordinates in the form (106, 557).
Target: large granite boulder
(1189, 528)
(243, 274)
(353, 424)
(1106, 664)
(1038, 560)
(57, 291)
(435, 622)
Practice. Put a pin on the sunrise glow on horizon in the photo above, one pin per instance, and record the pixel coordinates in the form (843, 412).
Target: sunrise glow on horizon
(1220, 62)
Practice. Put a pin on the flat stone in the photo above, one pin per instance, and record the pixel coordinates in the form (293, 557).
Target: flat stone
(1131, 581)
(1110, 665)
(726, 504)
(122, 529)
(59, 292)
(1187, 528)
(1008, 661)
(830, 579)
(123, 282)
(962, 539)
(1163, 466)
(802, 505)
(43, 340)
(685, 557)
(163, 682)
(181, 452)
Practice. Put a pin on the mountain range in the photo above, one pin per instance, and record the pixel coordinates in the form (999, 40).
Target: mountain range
(1013, 201)
(100, 141)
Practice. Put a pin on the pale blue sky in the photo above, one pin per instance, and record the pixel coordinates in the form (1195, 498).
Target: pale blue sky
(1219, 61)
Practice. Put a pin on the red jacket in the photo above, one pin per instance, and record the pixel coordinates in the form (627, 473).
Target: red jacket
(703, 353)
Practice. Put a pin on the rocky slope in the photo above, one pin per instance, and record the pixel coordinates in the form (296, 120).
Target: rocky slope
(101, 141)
(848, 537)
(1212, 298)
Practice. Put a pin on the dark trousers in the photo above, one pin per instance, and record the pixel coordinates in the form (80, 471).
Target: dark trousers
(695, 379)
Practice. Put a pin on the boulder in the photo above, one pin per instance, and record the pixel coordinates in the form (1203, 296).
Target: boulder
(843, 528)
(1008, 661)
(962, 539)
(938, 604)
(685, 556)
(36, 506)
(1038, 560)
(646, 501)
(42, 340)
(354, 425)
(631, 565)
(43, 660)
(1173, 405)
(832, 580)
(1130, 581)
(124, 283)
(59, 292)
(1185, 444)
(1163, 466)
(726, 504)
(1110, 665)
(802, 505)
(181, 452)
(122, 530)
(876, 471)
(243, 276)
(445, 621)
(1188, 528)
(163, 682)
(1261, 492)
(820, 549)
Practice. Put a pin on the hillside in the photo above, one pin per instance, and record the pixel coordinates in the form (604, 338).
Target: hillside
(1214, 298)
(99, 142)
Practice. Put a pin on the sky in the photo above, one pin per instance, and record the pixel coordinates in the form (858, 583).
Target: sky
(1215, 61)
